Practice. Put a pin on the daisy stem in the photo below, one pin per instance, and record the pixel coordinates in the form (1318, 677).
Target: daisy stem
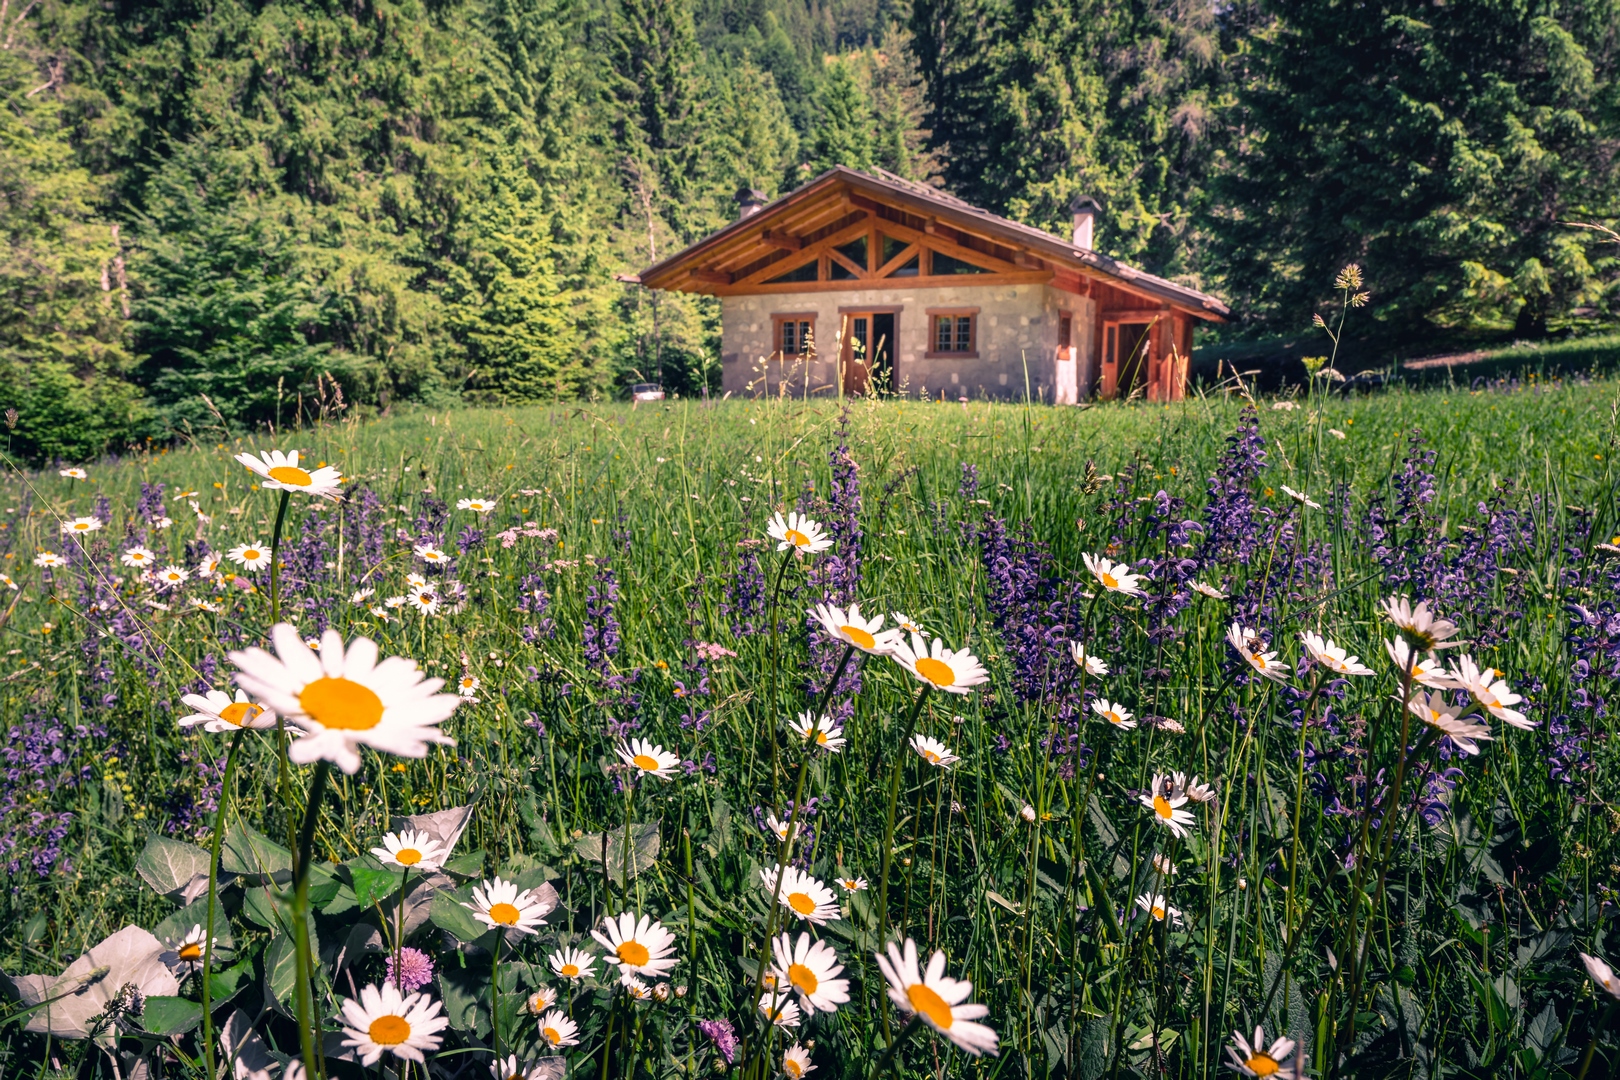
(306, 841)
(887, 1059)
(213, 887)
(399, 931)
(888, 843)
(1591, 1044)
(495, 996)
(770, 701)
(282, 780)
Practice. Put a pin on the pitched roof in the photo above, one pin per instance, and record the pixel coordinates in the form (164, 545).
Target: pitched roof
(677, 271)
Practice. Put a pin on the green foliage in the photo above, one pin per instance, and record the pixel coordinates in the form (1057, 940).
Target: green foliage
(844, 133)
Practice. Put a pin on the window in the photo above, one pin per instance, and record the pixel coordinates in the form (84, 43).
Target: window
(953, 333)
(941, 263)
(854, 251)
(1065, 330)
(907, 268)
(795, 334)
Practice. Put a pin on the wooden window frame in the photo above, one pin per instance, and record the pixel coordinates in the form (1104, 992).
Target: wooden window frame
(933, 314)
(778, 318)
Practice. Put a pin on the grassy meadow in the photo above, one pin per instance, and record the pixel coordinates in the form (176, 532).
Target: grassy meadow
(1357, 882)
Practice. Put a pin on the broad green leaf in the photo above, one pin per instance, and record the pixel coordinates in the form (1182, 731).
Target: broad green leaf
(996, 898)
(644, 844)
(281, 973)
(226, 983)
(170, 1015)
(463, 992)
(447, 914)
(248, 851)
(372, 883)
(169, 866)
(179, 924)
(470, 865)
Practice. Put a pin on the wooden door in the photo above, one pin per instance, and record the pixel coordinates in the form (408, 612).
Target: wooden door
(856, 358)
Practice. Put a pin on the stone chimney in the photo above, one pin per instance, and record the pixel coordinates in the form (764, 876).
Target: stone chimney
(1085, 210)
(749, 201)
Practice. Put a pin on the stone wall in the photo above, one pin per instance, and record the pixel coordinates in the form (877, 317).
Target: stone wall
(1017, 325)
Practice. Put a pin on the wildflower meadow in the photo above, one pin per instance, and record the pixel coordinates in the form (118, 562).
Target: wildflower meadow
(1235, 737)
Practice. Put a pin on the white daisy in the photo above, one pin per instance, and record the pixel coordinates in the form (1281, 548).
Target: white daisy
(139, 557)
(797, 533)
(933, 751)
(1115, 577)
(163, 523)
(1489, 691)
(572, 963)
(650, 759)
(186, 955)
(641, 947)
(1156, 906)
(249, 556)
(1193, 789)
(778, 828)
(782, 1011)
(1433, 709)
(1249, 1059)
(1300, 497)
(1323, 651)
(1421, 629)
(511, 1068)
(540, 1002)
(477, 506)
(1425, 672)
(360, 596)
(808, 898)
(410, 848)
(344, 701)
(384, 1021)
(558, 1031)
(1601, 974)
(906, 623)
(74, 473)
(866, 635)
(936, 666)
(936, 997)
(49, 560)
(851, 884)
(172, 577)
(424, 599)
(811, 970)
(500, 906)
(204, 605)
(1335, 432)
(1247, 643)
(1284, 405)
(823, 731)
(1208, 590)
(1093, 664)
(430, 555)
(217, 712)
(415, 581)
(379, 612)
(281, 472)
(1114, 713)
(208, 567)
(468, 686)
(1167, 804)
(635, 988)
(81, 525)
(393, 602)
(796, 1062)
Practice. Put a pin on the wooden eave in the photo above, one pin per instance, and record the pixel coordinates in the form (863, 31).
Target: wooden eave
(842, 205)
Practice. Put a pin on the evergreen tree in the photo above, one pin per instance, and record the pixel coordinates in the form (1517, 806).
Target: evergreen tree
(843, 131)
(1438, 145)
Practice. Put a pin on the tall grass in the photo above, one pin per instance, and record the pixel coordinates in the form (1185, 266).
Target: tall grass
(1433, 933)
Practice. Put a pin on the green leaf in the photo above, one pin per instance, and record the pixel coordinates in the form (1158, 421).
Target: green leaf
(470, 865)
(281, 973)
(169, 866)
(463, 992)
(179, 924)
(448, 915)
(226, 983)
(996, 898)
(342, 900)
(247, 851)
(644, 844)
(372, 882)
(170, 1015)
(260, 904)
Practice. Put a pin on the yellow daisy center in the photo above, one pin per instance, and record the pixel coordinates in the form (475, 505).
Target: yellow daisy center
(250, 554)
(570, 971)
(797, 538)
(643, 761)
(1258, 661)
(407, 856)
(860, 638)
(1115, 718)
(505, 914)
(553, 1036)
(82, 526)
(821, 737)
(1158, 912)
(634, 953)
(191, 950)
(933, 758)
(290, 474)
(1109, 580)
(239, 712)
(341, 703)
(791, 1067)
(802, 903)
(1162, 807)
(803, 978)
(937, 672)
(389, 1030)
(930, 1005)
(1262, 1064)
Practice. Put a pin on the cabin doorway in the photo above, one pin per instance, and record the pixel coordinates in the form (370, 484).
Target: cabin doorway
(1134, 342)
(868, 352)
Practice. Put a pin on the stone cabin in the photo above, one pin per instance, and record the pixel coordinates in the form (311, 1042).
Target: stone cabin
(857, 282)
